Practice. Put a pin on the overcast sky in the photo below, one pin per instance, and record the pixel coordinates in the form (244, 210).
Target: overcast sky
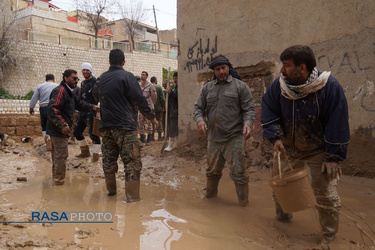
(166, 11)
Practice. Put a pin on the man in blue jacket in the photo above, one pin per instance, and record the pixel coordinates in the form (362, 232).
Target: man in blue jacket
(305, 115)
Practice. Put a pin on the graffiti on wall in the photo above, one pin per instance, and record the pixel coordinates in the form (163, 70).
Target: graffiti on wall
(364, 92)
(200, 54)
(350, 61)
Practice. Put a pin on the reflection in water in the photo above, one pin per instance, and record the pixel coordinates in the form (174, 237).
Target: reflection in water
(159, 234)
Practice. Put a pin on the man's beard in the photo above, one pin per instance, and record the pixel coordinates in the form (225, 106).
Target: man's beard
(294, 78)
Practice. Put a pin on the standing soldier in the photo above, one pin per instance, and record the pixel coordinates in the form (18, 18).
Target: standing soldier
(229, 107)
(119, 93)
(159, 107)
(86, 119)
(149, 92)
(305, 115)
(42, 93)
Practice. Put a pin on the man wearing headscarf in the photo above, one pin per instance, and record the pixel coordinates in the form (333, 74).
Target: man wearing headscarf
(225, 111)
(305, 115)
(86, 119)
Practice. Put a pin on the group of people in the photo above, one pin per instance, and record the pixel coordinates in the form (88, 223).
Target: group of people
(304, 115)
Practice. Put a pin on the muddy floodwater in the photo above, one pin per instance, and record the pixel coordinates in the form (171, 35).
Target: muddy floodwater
(173, 213)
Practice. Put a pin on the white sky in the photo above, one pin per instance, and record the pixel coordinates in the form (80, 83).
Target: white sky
(166, 11)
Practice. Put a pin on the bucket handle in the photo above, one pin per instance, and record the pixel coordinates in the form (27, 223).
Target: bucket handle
(279, 163)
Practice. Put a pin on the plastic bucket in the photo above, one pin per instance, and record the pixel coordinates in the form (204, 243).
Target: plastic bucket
(293, 191)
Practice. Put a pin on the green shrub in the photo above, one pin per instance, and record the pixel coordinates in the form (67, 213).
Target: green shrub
(4, 94)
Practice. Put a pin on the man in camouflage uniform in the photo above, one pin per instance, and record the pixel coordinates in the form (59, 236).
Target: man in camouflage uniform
(149, 92)
(228, 105)
(159, 107)
(119, 93)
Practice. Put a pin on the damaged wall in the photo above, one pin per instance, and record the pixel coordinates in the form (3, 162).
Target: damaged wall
(254, 33)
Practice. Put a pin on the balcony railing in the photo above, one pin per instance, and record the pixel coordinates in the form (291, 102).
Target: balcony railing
(96, 43)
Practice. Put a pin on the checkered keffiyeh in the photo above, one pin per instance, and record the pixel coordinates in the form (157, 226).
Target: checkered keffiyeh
(313, 84)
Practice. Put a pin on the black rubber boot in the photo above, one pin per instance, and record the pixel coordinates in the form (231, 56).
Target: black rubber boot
(142, 139)
(211, 189)
(110, 182)
(149, 136)
(329, 222)
(160, 138)
(132, 186)
(152, 136)
(242, 194)
(280, 215)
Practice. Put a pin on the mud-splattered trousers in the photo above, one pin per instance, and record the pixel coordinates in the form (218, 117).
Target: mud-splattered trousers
(142, 121)
(324, 189)
(59, 155)
(232, 152)
(124, 143)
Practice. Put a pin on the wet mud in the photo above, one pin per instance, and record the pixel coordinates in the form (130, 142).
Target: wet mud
(173, 213)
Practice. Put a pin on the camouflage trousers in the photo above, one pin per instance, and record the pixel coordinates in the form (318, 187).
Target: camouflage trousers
(124, 143)
(232, 152)
(142, 122)
(59, 156)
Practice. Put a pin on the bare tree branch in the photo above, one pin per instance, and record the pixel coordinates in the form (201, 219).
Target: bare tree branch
(132, 15)
(10, 54)
(92, 11)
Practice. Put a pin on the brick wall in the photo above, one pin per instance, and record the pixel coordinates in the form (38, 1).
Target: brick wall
(41, 59)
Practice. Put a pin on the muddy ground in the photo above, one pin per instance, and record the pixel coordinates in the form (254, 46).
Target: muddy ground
(173, 213)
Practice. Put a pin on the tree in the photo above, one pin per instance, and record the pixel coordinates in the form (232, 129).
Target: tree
(10, 54)
(92, 11)
(132, 15)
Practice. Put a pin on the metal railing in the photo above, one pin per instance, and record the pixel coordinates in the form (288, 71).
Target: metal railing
(96, 43)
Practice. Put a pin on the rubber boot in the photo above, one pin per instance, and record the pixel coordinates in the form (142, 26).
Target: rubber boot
(132, 186)
(95, 152)
(152, 136)
(170, 144)
(329, 222)
(48, 144)
(58, 174)
(110, 182)
(160, 138)
(242, 194)
(149, 136)
(85, 151)
(142, 139)
(211, 189)
(280, 215)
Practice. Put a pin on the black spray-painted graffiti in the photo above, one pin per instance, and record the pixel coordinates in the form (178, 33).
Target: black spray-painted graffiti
(349, 60)
(366, 91)
(199, 56)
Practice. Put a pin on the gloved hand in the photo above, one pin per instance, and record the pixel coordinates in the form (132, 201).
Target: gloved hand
(333, 170)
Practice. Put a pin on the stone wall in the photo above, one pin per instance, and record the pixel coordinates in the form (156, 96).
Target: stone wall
(42, 59)
(20, 125)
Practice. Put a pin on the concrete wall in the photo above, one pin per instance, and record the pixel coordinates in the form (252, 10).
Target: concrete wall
(253, 34)
(42, 59)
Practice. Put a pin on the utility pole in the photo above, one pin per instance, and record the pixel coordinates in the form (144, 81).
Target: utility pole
(157, 30)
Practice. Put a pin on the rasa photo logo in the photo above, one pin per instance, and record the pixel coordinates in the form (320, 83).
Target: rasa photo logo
(72, 217)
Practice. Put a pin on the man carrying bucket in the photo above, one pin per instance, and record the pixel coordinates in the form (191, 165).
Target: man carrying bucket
(305, 116)
(226, 104)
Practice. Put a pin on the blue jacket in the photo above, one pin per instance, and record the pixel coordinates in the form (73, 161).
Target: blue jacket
(313, 124)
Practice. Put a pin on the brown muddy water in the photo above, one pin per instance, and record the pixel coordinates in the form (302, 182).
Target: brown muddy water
(173, 213)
